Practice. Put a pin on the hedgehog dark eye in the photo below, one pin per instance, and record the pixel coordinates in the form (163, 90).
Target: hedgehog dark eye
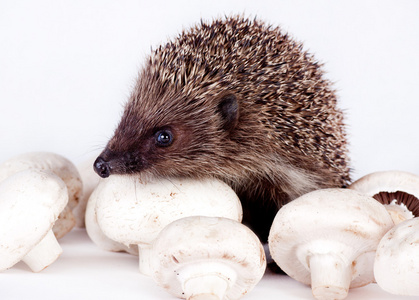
(164, 138)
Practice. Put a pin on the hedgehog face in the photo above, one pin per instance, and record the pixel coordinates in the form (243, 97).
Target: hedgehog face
(137, 154)
(169, 138)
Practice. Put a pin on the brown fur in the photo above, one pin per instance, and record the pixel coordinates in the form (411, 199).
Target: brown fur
(285, 137)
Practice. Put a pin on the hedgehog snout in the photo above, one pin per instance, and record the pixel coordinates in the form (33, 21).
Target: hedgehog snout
(110, 162)
(102, 167)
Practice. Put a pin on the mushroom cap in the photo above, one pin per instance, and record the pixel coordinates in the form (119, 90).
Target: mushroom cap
(59, 165)
(132, 212)
(95, 233)
(389, 181)
(194, 240)
(30, 202)
(323, 221)
(394, 183)
(396, 266)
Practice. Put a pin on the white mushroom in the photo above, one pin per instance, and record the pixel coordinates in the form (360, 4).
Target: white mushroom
(30, 202)
(396, 266)
(327, 238)
(397, 190)
(207, 258)
(90, 181)
(95, 233)
(61, 167)
(131, 212)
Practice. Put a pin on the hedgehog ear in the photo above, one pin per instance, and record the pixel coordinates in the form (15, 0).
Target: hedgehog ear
(228, 108)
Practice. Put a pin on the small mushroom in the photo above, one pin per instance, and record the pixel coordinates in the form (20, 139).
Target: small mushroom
(397, 190)
(30, 202)
(396, 266)
(61, 167)
(132, 212)
(207, 258)
(327, 238)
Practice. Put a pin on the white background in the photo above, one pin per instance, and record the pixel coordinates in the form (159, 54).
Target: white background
(67, 68)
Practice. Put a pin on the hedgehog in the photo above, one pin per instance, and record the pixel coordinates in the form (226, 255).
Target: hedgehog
(237, 100)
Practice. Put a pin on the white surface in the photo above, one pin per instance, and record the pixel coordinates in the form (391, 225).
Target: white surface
(86, 272)
(66, 68)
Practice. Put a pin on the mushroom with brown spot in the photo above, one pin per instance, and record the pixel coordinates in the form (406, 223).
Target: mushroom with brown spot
(397, 190)
(61, 167)
(207, 258)
(30, 203)
(133, 212)
(327, 239)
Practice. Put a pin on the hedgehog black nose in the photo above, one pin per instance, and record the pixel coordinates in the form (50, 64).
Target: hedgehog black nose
(102, 167)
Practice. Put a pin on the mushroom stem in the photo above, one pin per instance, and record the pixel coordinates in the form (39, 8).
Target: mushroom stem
(204, 297)
(145, 253)
(206, 280)
(43, 254)
(398, 212)
(205, 287)
(330, 276)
